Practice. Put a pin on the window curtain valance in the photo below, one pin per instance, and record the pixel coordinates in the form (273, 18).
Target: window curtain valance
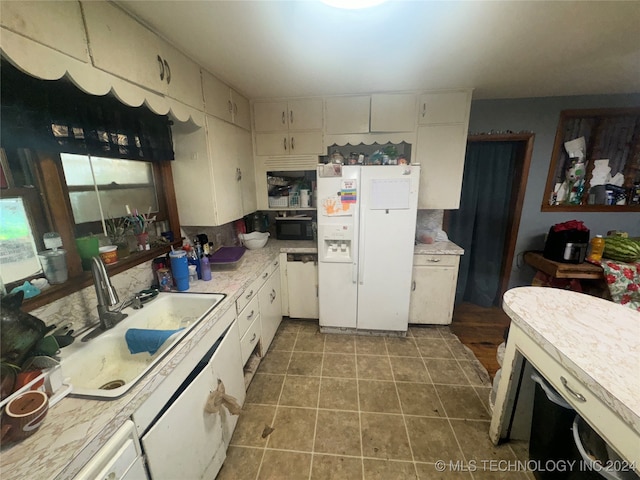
(54, 115)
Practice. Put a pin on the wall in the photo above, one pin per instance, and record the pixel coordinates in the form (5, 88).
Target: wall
(541, 115)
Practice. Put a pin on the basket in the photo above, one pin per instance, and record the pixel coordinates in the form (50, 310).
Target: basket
(278, 202)
(294, 199)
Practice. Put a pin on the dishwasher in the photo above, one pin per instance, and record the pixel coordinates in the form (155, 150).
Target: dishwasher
(302, 285)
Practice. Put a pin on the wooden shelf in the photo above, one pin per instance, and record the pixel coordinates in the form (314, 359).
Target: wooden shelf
(582, 271)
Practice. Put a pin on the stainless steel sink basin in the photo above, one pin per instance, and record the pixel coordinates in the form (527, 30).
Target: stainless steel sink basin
(104, 368)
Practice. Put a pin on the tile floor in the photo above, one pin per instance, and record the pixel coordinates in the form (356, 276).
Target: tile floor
(365, 407)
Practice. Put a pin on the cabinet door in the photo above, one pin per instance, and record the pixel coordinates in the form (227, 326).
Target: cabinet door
(217, 100)
(272, 144)
(444, 107)
(241, 110)
(440, 152)
(302, 289)
(247, 172)
(305, 114)
(305, 143)
(270, 116)
(432, 296)
(227, 365)
(122, 46)
(347, 114)
(270, 308)
(393, 113)
(182, 76)
(223, 155)
(55, 24)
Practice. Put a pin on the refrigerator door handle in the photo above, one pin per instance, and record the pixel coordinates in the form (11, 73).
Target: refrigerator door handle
(361, 251)
(354, 272)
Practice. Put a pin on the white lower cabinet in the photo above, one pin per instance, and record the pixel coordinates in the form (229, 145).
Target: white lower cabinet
(186, 441)
(302, 289)
(270, 308)
(433, 289)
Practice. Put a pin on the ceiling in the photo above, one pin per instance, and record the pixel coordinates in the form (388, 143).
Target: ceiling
(501, 49)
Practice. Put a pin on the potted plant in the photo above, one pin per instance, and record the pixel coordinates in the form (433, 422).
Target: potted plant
(117, 231)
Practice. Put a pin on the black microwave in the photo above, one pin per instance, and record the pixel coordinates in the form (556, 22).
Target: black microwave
(294, 228)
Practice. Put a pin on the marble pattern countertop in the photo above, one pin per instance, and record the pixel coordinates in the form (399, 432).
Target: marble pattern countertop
(76, 428)
(594, 339)
(438, 248)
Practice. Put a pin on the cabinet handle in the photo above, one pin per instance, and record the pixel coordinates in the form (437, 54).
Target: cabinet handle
(168, 70)
(284, 143)
(266, 274)
(253, 339)
(238, 174)
(293, 145)
(161, 65)
(275, 264)
(290, 117)
(578, 396)
(284, 119)
(235, 108)
(413, 286)
(434, 260)
(273, 295)
(230, 106)
(424, 109)
(249, 295)
(251, 314)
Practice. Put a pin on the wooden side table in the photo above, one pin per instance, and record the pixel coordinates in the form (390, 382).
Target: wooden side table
(580, 271)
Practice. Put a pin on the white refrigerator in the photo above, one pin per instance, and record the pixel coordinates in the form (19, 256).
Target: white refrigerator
(366, 232)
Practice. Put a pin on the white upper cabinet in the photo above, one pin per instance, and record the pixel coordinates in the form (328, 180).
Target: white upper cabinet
(395, 112)
(55, 24)
(293, 143)
(444, 107)
(347, 114)
(225, 103)
(282, 116)
(122, 46)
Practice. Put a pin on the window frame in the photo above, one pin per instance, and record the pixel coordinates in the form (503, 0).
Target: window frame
(55, 214)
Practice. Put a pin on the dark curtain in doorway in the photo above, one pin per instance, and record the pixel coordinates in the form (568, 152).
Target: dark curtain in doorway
(480, 225)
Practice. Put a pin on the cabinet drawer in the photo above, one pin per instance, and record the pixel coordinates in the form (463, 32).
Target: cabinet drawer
(439, 260)
(250, 340)
(250, 292)
(248, 315)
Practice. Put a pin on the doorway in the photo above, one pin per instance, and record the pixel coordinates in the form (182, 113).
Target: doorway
(486, 224)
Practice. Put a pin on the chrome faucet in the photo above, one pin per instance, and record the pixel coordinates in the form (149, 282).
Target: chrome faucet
(107, 298)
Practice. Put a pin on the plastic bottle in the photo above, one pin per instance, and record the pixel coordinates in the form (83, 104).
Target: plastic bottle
(597, 247)
(205, 268)
(192, 259)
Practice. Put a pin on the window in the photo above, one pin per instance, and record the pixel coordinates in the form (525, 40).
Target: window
(18, 252)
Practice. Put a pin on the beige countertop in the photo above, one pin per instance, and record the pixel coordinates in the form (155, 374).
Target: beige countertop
(438, 248)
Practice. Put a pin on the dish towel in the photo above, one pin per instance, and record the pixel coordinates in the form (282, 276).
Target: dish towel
(142, 340)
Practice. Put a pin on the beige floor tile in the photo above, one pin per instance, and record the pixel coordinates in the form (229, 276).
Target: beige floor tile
(419, 399)
(333, 467)
(474, 441)
(300, 391)
(278, 465)
(475, 372)
(432, 439)
(303, 363)
(458, 349)
(251, 425)
(313, 342)
(424, 331)
(484, 393)
(339, 393)
(370, 345)
(384, 436)
(462, 402)
(434, 348)
(428, 471)
(293, 429)
(409, 369)
(241, 462)
(275, 362)
(402, 347)
(388, 470)
(283, 341)
(338, 432)
(265, 388)
(445, 371)
(376, 396)
(308, 326)
(340, 344)
(496, 474)
(339, 365)
(374, 367)
(289, 326)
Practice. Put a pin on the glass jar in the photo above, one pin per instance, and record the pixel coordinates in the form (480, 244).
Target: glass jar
(597, 248)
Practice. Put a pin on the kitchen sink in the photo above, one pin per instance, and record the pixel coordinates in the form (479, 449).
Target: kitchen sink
(103, 367)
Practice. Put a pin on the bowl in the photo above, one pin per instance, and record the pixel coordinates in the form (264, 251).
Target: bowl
(109, 254)
(254, 240)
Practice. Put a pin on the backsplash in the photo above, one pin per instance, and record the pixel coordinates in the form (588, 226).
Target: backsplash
(429, 219)
(79, 308)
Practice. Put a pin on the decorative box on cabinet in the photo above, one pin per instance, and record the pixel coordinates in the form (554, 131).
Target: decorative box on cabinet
(433, 289)
(224, 102)
(122, 46)
(57, 25)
